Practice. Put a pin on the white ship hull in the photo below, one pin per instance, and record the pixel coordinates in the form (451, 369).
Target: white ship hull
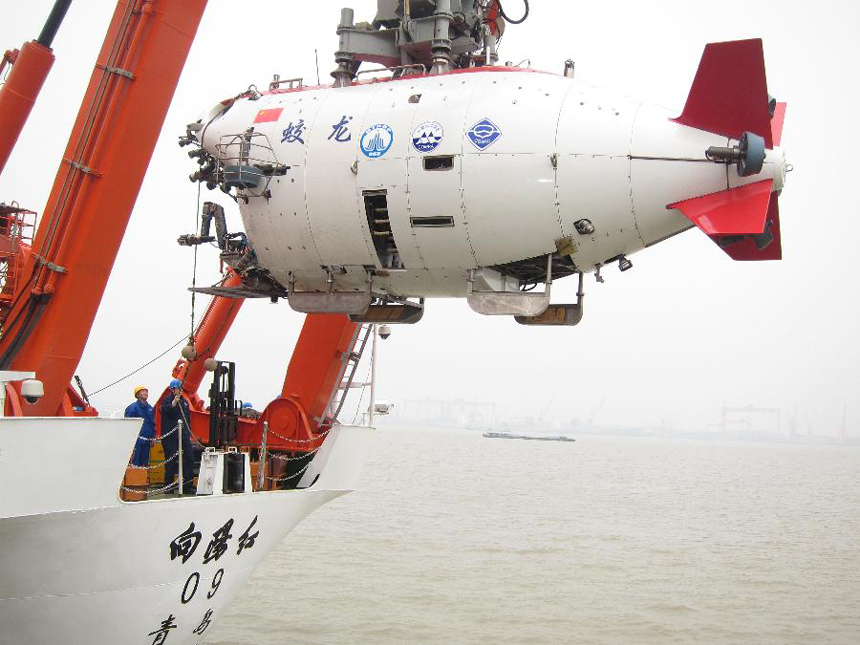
(106, 571)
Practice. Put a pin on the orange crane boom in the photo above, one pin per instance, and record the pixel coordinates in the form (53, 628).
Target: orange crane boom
(60, 283)
(30, 67)
(95, 190)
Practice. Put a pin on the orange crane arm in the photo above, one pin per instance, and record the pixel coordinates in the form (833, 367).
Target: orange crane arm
(19, 93)
(313, 377)
(95, 190)
(318, 361)
(30, 68)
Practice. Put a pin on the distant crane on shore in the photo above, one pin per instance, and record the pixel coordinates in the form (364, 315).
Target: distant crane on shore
(730, 416)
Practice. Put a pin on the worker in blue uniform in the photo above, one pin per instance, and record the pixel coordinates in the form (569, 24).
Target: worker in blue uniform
(141, 409)
(248, 411)
(174, 408)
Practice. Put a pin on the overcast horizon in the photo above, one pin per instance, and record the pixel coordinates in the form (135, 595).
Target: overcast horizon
(683, 333)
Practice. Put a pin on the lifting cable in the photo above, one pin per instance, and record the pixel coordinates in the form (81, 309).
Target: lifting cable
(119, 380)
(193, 298)
(194, 270)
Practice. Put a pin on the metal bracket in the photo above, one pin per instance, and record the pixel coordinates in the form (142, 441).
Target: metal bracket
(84, 169)
(509, 303)
(234, 293)
(119, 71)
(556, 315)
(400, 313)
(331, 301)
(50, 265)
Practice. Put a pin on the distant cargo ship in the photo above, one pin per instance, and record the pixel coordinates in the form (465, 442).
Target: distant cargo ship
(531, 437)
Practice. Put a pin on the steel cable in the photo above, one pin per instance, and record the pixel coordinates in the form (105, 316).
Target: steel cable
(119, 380)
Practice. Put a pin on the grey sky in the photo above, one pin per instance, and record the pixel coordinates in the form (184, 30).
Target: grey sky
(673, 339)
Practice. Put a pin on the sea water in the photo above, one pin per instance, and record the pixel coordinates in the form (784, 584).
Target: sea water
(457, 538)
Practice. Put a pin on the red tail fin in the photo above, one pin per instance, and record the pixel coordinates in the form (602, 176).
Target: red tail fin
(729, 94)
(740, 220)
(776, 123)
(746, 249)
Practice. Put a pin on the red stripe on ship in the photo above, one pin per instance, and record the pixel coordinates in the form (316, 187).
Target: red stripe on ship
(267, 116)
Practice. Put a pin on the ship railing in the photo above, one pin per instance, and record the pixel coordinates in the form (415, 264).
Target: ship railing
(396, 71)
(156, 466)
(308, 456)
(150, 467)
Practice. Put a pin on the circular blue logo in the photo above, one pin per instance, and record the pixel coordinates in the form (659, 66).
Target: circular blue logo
(376, 140)
(427, 136)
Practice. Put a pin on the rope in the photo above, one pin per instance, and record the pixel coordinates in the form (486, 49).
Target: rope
(187, 424)
(194, 271)
(148, 363)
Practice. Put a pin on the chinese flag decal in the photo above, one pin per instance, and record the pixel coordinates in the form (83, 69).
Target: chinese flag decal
(267, 116)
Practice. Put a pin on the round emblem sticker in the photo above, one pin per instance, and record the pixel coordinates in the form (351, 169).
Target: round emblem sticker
(427, 136)
(376, 140)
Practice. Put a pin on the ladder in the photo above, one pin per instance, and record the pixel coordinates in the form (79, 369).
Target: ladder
(338, 397)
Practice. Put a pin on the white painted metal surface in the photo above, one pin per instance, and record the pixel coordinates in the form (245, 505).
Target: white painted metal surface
(532, 154)
(210, 480)
(588, 188)
(339, 226)
(439, 193)
(81, 463)
(80, 566)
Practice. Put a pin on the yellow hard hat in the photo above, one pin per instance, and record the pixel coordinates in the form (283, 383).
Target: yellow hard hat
(138, 388)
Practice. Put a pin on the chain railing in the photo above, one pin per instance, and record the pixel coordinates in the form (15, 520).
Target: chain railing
(158, 439)
(288, 458)
(151, 491)
(151, 467)
(288, 477)
(321, 435)
(274, 456)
